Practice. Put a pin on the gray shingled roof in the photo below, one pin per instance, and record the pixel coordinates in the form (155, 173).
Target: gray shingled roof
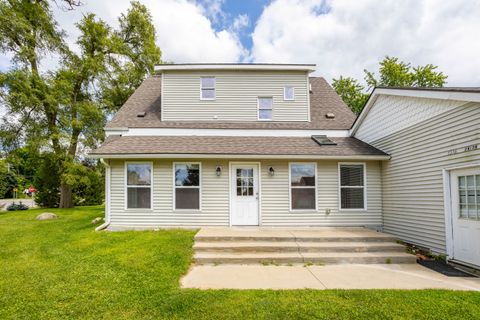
(147, 97)
(125, 145)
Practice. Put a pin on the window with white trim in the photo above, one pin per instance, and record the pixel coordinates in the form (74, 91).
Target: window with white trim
(469, 196)
(352, 186)
(288, 93)
(265, 108)
(187, 186)
(303, 186)
(139, 185)
(207, 88)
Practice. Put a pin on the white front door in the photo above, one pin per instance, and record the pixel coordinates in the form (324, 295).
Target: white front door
(465, 194)
(244, 195)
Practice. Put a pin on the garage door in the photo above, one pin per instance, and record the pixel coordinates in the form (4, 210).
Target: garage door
(465, 188)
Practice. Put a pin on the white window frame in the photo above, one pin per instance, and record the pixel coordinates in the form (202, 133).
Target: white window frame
(258, 107)
(301, 187)
(365, 200)
(126, 186)
(192, 187)
(214, 88)
(285, 93)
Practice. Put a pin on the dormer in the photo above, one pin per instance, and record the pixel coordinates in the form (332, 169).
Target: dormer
(235, 92)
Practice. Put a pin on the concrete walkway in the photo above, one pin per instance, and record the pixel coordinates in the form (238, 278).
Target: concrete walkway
(346, 276)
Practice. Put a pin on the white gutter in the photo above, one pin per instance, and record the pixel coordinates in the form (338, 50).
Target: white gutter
(235, 156)
(236, 66)
(107, 196)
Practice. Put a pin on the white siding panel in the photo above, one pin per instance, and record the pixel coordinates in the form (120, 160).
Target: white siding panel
(391, 114)
(413, 207)
(236, 96)
(274, 195)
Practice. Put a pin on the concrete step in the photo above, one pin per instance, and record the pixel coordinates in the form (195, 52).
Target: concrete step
(319, 238)
(289, 246)
(302, 258)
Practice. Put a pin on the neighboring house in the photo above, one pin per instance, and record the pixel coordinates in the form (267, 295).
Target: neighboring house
(265, 144)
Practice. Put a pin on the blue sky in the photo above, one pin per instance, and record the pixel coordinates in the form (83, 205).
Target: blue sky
(342, 37)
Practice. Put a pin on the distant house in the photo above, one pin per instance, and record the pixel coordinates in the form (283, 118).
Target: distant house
(268, 145)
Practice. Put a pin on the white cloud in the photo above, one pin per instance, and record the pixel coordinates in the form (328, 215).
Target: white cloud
(343, 37)
(240, 22)
(184, 28)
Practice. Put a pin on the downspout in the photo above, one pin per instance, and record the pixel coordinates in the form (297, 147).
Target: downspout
(107, 196)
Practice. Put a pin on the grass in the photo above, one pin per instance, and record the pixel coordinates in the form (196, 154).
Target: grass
(63, 269)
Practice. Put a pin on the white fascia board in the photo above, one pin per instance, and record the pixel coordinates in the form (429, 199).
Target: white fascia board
(276, 67)
(432, 94)
(224, 132)
(415, 93)
(233, 156)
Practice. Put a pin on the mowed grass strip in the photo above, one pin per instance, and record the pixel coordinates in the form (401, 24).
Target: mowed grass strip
(63, 269)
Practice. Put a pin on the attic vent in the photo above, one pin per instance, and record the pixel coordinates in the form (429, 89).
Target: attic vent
(330, 115)
(141, 114)
(323, 141)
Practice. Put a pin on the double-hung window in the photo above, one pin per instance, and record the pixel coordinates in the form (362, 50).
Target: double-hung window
(265, 108)
(303, 186)
(139, 185)
(352, 186)
(187, 186)
(288, 93)
(207, 88)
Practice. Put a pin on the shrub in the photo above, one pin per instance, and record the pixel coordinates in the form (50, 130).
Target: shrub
(17, 206)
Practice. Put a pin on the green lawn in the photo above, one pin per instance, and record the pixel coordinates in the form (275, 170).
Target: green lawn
(63, 269)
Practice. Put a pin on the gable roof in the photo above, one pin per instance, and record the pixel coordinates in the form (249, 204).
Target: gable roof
(147, 98)
(247, 146)
(467, 94)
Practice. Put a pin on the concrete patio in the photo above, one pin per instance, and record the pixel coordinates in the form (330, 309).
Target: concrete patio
(344, 276)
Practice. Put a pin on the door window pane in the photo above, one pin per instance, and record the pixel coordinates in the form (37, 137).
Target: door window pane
(245, 182)
(469, 197)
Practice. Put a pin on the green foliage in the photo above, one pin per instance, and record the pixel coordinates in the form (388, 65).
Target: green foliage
(63, 269)
(393, 73)
(351, 92)
(17, 206)
(64, 109)
(47, 181)
(87, 182)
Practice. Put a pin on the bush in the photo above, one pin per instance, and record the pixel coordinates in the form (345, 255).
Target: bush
(17, 206)
(47, 181)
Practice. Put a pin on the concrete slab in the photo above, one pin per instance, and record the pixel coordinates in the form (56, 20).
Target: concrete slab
(250, 277)
(349, 276)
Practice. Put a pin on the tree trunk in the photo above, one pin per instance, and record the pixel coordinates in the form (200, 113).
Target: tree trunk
(65, 196)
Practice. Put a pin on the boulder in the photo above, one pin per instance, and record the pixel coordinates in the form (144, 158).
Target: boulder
(47, 216)
(96, 220)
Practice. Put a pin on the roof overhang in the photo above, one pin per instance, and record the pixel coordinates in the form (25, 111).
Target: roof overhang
(235, 66)
(444, 94)
(233, 156)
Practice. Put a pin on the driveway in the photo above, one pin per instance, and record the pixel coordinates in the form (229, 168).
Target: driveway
(346, 276)
(7, 202)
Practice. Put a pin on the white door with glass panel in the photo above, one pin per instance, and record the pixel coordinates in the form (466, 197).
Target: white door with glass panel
(465, 189)
(244, 195)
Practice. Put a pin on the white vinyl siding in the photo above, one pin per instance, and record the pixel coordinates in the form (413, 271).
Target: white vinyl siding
(413, 199)
(236, 94)
(274, 197)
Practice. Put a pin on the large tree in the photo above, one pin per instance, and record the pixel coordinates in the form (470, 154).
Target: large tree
(62, 108)
(392, 73)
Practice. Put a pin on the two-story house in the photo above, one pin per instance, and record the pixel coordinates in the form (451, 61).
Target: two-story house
(268, 145)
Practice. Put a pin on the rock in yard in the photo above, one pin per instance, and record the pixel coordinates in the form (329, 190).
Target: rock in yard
(96, 220)
(47, 216)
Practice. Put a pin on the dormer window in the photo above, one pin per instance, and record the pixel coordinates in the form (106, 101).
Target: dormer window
(265, 108)
(288, 93)
(207, 88)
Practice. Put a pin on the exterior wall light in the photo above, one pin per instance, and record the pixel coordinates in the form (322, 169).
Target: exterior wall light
(218, 171)
(271, 171)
